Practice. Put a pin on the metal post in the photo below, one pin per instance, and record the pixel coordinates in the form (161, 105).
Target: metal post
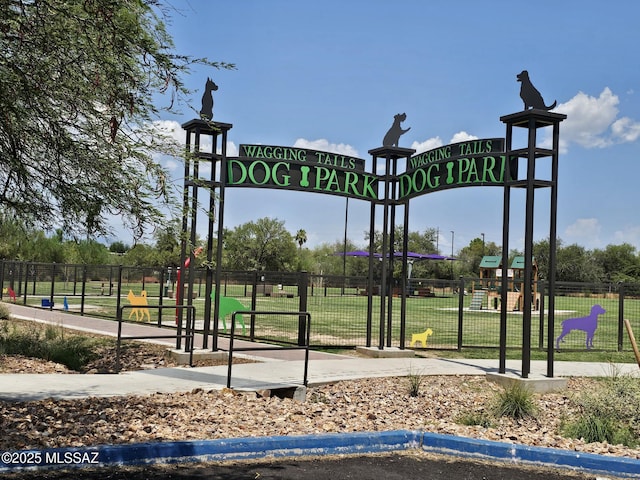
(620, 316)
(53, 287)
(528, 251)
(404, 291)
(504, 284)
(385, 249)
(344, 245)
(460, 311)
(553, 220)
(303, 285)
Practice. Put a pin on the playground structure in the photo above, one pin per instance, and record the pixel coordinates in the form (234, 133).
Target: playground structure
(489, 294)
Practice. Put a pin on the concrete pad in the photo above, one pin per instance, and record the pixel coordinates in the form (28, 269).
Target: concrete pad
(388, 352)
(180, 357)
(535, 383)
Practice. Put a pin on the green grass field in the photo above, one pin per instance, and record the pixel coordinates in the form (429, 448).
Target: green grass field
(341, 320)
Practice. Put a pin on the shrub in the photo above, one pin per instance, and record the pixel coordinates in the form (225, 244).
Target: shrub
(515, 401)
(414, 381)
(5, 313)
(480, 418)
(48, 343)
(610, 413)
(592, 428)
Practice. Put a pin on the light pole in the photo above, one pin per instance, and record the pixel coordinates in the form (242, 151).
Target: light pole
(344, 246)
(482, 244)
(452, 238)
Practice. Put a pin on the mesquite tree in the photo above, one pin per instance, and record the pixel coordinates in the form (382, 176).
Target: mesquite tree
(77, 86)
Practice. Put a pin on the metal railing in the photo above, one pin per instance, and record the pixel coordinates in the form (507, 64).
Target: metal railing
(189, 335)
(303, 317)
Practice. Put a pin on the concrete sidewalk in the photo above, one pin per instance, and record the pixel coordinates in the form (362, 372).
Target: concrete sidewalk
(323, 368)
(259, 376)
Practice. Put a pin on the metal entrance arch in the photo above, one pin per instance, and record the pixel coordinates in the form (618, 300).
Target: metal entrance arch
(472, 163)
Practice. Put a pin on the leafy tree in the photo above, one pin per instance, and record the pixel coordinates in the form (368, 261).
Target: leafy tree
(77, 84)
(118, 247)
(261, 245)
(43, 249)
(89, 252)
(141, 255)
(576, 264)
(469, 257)
(13, 238)
(167, 243)
(327, 260)
(619, 263)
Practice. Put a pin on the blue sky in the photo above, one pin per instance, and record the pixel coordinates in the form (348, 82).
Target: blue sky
(331, 75)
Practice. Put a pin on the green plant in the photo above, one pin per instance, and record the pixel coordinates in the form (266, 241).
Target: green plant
(5, 313)
(74, 351)
(515, 401)
(480, 418)
(593, 428)
(414, 381)
(52, 332)
(48, 343)
(610, 413)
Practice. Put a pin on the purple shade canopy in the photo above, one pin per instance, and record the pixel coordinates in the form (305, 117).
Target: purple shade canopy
(410, 255)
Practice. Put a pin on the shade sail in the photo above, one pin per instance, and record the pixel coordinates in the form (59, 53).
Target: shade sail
(410, 255)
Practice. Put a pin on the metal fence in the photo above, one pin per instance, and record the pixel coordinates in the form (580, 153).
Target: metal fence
(463, 313)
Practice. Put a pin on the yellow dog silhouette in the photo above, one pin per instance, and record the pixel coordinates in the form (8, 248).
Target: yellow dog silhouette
(420, 337)
(139, 302)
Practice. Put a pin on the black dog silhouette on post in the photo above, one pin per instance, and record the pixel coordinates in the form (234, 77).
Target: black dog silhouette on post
(393, 135)
(206, 112)
(530, 95)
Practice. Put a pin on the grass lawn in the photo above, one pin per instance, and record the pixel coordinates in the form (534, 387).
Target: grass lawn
(341, 320)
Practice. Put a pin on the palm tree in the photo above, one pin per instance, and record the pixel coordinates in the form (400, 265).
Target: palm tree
(301, 237)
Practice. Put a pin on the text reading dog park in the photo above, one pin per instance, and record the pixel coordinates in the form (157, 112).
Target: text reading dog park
(470, 163)
(457, 165)
(301, 169)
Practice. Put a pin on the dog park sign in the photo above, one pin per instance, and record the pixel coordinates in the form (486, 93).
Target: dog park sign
(301, 169)
(474, 162)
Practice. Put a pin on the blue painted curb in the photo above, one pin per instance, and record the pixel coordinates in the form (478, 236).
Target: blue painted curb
(212, 450)
(315, 445)
(516, 453)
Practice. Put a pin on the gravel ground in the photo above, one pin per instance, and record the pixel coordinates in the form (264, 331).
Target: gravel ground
(352, 406)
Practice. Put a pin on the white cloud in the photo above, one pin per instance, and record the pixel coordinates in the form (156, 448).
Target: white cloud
(626, 130)
(584, 231)
(592, 122)
(429, 144)
(436, 142)
(170, 128)
(323, 145)
(462, 137)
(630, 235)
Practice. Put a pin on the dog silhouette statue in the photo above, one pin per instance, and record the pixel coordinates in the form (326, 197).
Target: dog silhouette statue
(229, 305)
(138, 303)
(206, 112)
(420, 337)
(530, 95)
(392, 137)
(586, 324)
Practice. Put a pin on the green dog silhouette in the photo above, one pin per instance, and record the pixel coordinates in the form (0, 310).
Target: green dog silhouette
(228, 305)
